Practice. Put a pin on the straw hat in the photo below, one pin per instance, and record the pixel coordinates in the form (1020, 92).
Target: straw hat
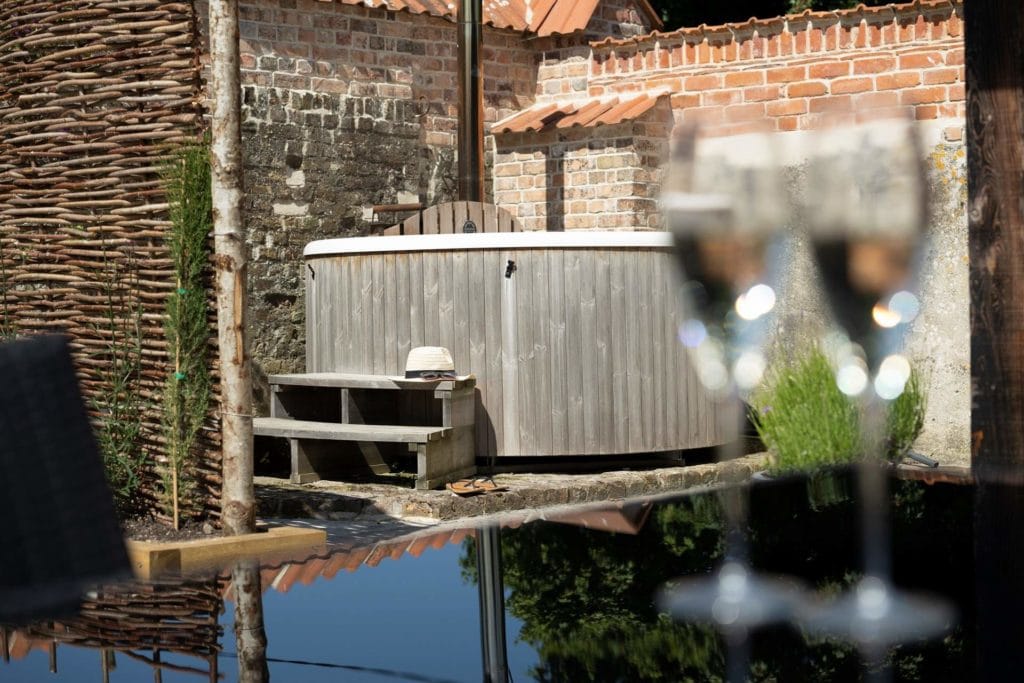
(430, 362)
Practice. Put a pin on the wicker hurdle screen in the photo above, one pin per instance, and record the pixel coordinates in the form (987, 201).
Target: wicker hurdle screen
(93, 96)
(145, 621)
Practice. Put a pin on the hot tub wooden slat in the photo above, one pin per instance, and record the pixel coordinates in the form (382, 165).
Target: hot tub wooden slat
(542, 351)
(492, 395)
(557, 349)
(619, 357)
(575, 353)
(526, 404)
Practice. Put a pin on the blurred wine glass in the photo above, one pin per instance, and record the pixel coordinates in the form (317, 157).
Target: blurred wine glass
(866, 207)
(726, 204)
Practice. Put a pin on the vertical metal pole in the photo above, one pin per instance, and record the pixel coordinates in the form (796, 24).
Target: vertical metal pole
(471, 102)
(492, 604)
(238, 509)
(994, 31)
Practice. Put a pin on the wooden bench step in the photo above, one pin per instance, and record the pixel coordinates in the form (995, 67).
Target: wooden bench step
(346, 380)
(332, 431)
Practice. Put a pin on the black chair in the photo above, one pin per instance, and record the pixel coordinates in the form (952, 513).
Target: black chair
(60, 532)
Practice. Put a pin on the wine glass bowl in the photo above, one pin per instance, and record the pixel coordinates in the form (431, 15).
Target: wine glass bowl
(725, 204)
(865, 206)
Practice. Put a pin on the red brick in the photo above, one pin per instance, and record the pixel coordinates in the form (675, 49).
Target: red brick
(806, 89)
(703, 115)
(955, 57)
(921, 60)
(703, 52)
(923, 95)
(721, 97)
(681, 101)
(761, 93)
(954, 26)
(828, 69)
(815, 39)
(953, 133)
(841, 86)
(742, 78)
(873, 65)
(957, 93)
(876, 100)
(785, 43)
(926, 112)
(905, 79)
(787, 74)
(786, 107)
(951, 110)
(705, 82)
(933, 76)
(830, 104)
(744, 112)
(788, 123)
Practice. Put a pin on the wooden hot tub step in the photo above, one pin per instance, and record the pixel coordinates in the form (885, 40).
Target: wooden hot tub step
(312, 410)
(333, 431)
(349, 380)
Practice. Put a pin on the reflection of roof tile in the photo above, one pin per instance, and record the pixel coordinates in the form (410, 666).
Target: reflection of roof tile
(540, 17)
(623, 518)
(585, 113)
(869, 13)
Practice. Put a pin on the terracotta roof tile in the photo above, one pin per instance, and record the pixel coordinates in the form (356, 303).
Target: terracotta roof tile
(540, 17)
(584, 112)
(808, 15)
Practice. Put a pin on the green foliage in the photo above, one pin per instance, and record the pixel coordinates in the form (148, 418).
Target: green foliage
(807, 422)
(585, 597)
(802, 416)
(187, 392)
(118, 403)
(906, 417)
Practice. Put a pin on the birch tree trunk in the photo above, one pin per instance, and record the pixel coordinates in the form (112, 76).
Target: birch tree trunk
(250, 634)
(237, 501)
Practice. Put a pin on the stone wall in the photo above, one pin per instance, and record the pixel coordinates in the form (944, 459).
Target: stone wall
(345, 107)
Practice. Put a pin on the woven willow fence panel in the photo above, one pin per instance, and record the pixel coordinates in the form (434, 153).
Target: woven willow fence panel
(93, 96)
(145, 621)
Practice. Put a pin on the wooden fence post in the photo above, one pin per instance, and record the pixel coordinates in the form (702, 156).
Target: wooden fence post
(994, 31)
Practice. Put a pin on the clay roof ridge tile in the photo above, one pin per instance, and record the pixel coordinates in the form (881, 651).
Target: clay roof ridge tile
(753, 22)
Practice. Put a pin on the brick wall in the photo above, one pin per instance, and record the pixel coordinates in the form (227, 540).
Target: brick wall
(792, 70)
(788, 74)
(606, 178)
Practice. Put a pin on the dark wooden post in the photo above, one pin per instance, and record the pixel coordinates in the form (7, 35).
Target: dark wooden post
(995, 182)
(995, 179)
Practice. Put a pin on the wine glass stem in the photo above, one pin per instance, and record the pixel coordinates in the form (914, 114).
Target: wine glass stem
(737, 656)
(734, 501)
(873, 490)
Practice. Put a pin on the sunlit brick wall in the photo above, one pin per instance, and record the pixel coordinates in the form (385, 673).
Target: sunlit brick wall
(585, 178)
(793, 70)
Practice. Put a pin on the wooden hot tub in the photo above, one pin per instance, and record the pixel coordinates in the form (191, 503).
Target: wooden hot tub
(571, 335)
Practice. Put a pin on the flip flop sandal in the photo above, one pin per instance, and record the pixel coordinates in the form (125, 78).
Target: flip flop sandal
(472, 487)
(488, 485)
(465, 487)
